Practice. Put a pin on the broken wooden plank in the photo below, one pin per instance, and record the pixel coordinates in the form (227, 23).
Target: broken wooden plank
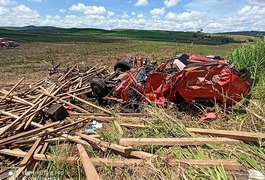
(116, 147)
(12, 89)
(66, 74)
(75, 139)
(226, 163)
(133, 125)
(6, 128)
(91, 104)
(90, 170)
(176, 141)
(10, 139)
(111, 119)
(65, 102)
(27, 159)
(29, 155)
(231, 164)
(240, 135)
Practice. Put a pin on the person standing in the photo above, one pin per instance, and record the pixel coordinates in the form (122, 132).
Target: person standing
(145, 61)
(131, 61)
(135, 62)
(140, 63)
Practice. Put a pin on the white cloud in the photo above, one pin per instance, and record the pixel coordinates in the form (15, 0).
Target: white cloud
(141, 3)
(19, 15)
(110, 13)
(140, 15)
(252, 11)
(244, 10)
(80, 7)
(62, 10)
(157, 11)
(38, 1)
(185, 16)
(7, 2)
(247, 17)
(257, 2)
(3, 11)
(125, 15)
(170, 3)
(170, 15)
(24, 11)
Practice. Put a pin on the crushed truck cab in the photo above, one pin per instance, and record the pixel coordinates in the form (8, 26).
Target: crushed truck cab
(184, 78)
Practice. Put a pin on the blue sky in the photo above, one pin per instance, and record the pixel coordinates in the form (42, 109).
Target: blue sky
(179, 15)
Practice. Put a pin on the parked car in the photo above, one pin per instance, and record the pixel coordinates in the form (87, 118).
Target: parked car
(7, 42)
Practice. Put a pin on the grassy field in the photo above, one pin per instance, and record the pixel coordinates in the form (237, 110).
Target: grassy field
(33, 59)
(53, 34)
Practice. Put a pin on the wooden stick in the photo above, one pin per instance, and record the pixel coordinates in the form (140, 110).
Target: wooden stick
(176, 141)
(63, 77)
(134, 114)
(40, 150)
(26, 133)
(29, 155)
(110, 119)
(88, 114)
(90, 170)
(240, 135)
(231, 165)
(133, 125)
(116, 147)
(17, 98)
(10, 91)
(25, 162)
(65, 102)
(74, 91)
(74, 139)
(2, 131)
(129, 115)
(91, 104)
(65, 136)
(227, 164)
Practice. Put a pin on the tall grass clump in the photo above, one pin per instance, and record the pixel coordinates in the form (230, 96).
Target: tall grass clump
(251, 56)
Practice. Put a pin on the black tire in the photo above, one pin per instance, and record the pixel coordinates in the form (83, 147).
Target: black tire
(122, 66)
(99, 87)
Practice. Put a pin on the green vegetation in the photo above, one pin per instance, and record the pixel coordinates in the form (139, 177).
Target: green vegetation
(251, 56)
(52, 34)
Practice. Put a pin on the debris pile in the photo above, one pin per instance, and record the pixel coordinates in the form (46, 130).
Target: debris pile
(56, 109)
(182, 79)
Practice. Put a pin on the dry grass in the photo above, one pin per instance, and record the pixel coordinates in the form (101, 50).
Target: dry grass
(32, 60)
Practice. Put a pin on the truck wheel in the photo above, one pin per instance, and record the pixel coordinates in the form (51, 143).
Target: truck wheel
(99, 87)
(122, 66)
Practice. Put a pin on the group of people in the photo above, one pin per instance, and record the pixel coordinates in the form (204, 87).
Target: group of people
(134, 62)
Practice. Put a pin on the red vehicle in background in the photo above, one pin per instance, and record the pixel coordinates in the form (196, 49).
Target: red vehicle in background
(184, 78)
(7, 42)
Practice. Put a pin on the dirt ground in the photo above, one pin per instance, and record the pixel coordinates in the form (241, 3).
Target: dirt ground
(32, 60)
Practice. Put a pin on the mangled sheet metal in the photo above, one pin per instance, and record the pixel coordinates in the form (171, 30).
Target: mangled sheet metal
(181, 79)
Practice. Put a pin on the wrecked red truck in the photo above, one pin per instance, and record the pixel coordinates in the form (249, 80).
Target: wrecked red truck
(182, 79)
